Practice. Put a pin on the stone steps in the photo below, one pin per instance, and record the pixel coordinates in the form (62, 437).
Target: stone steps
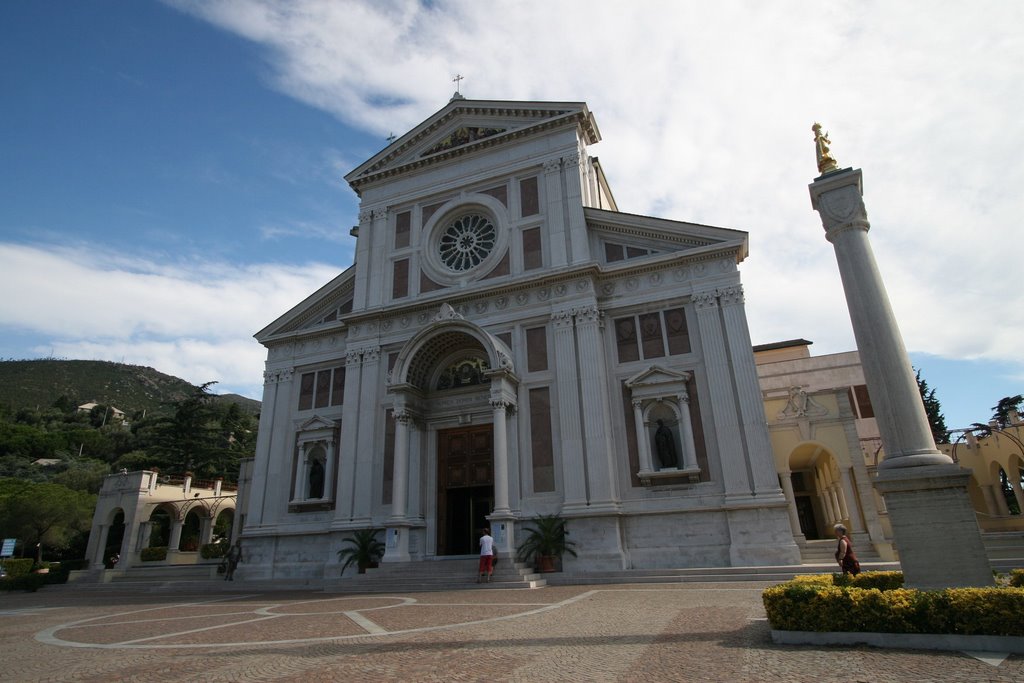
(448, 574)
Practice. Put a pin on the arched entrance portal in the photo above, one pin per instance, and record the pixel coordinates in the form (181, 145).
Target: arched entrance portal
(817, 491)
(454, 394)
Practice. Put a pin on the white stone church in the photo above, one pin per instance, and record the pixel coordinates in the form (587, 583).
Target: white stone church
(508, 344)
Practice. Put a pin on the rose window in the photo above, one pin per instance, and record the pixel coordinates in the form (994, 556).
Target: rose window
(466, 242)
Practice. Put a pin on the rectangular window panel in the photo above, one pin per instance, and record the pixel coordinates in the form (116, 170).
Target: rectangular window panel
(625, 338)
(306, 390)
(338, 387)
(676, 333)
(533, 256)
(536, 349)
(500, 193)
(505, 337)
(427, 212)
(650, 336)
(402, 223)
(612, 252)
(540, 441)
(400, 283)
(323, 388)
(863, 401)
(528, 200)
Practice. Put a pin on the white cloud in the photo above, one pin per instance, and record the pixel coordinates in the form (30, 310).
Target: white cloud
(194, 320)
(706, 110)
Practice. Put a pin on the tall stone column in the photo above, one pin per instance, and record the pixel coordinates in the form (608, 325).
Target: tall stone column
(1000, 499)
(686, 432)
(933, 522)
(500, 429)
(856, 515)
(642, 438)
(397, 542)
(1017, 493)
(786, 480)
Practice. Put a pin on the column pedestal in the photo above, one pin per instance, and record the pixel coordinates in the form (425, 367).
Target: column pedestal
(932, 514)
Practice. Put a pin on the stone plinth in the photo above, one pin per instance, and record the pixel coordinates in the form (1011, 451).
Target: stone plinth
(935, 526)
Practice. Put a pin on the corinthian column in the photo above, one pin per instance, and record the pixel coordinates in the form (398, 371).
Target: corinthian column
(500, 457)
(926, 494)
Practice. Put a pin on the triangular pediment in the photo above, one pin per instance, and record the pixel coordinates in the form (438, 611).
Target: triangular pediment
(464, 126)
(316, 423)
(322, 308)
(655, 375)
(624, 236)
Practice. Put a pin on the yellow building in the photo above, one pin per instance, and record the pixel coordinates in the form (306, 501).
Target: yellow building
(827, 447)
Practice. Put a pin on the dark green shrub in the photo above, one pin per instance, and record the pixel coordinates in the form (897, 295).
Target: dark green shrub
(23, 582)
(1017, 578)
(18, 567)
(153, 554)
(209, 551)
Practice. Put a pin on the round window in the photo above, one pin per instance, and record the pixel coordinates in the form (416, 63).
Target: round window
(466, 242)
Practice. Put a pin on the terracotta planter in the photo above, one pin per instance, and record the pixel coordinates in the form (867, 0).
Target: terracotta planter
(546, 563)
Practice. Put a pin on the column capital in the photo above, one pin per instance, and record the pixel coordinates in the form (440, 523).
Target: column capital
(562, 319)
(703, 300)
(587, 315)
(731, 296)
(552, 165)
(838, 199)
(353, 357)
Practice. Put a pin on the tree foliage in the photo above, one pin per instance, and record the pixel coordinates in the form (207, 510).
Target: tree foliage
(1001, 410)
(47, 514)
(933, 409)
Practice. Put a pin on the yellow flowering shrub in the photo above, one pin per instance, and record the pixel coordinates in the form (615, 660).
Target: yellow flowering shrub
(815, 606)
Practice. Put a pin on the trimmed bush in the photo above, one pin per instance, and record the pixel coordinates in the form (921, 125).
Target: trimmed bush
(18, 567)
(814, 606)
(1017, 578)
(23, 582)
(153, 554)
(883, 581)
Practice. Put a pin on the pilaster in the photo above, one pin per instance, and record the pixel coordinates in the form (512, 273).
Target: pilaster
(557, 230)
(574, 474)
(723, 401)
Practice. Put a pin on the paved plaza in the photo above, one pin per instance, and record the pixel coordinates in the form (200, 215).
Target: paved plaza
(661, 632)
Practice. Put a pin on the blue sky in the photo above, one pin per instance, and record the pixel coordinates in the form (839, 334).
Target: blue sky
(172, 171)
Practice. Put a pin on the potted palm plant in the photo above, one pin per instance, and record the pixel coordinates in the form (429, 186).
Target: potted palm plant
(364, 550)
(545, 542)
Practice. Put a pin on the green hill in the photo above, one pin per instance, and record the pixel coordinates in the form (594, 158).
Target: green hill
(131, 388)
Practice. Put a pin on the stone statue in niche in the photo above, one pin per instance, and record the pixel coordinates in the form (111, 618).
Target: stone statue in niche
(316, 479)
(665, 445)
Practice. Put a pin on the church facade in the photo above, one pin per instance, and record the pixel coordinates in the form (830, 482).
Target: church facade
(507, 344)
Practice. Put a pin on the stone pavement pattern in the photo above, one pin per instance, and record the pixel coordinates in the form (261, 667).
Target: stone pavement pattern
(670, 632)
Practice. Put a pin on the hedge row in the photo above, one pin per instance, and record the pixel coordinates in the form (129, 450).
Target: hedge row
(807, 604)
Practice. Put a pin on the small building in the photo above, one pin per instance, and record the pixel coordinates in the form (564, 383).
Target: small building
(145, 509)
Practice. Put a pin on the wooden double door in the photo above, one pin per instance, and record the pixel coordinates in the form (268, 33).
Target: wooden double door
(465, 487)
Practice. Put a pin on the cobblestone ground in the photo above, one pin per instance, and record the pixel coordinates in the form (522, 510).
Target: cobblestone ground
(677, 632)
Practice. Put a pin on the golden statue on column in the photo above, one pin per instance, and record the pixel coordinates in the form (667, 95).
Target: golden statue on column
(826, 162)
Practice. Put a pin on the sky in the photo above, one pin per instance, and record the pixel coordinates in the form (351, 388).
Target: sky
(171, 172)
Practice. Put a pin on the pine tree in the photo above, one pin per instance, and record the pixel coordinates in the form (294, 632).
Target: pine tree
(933, 409)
